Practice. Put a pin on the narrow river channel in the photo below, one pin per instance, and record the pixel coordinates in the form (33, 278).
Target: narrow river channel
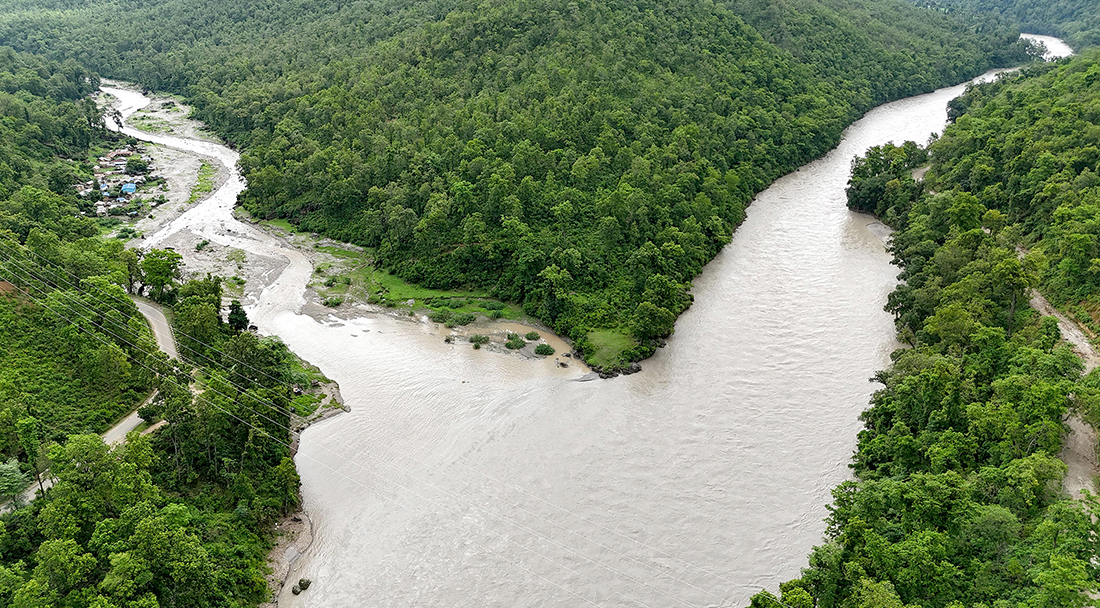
(470, 478)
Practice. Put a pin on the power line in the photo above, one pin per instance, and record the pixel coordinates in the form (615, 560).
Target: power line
(272, 406)
(265, 433)
(278, 410)
(498, 516)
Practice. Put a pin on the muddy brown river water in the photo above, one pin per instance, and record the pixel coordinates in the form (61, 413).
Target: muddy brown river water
(471, 478)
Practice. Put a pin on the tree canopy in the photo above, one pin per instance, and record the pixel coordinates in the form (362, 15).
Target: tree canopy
(957, 499)
(179, 518)
(551, 153)
(1077, 21)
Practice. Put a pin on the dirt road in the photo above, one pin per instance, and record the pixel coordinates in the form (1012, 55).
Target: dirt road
(1079, 449)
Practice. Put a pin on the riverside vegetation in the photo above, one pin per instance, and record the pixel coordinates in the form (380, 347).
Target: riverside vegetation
(177, 518)
(957, 498)
(1076, 21)
(581, 159)
(578, 158)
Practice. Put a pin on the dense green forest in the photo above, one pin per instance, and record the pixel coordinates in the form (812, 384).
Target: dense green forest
(1076, 21)
(176, 518)
(52, 370)
(957, 497)
(583, 159)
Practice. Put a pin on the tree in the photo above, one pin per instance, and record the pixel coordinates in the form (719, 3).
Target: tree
(162, 270)
(131, 258)
(238, 318)
(12, 481)
(652, 321)
(136, 166)
(1011, 277)
(32, 446)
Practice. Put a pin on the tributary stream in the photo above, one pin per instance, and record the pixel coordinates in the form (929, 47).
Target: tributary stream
(474, 478)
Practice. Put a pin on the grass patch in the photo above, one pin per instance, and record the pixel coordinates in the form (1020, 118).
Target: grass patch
(107, 225)
(355, 276)
(205, 183)
(281, 224)
(234, 286)
(127, 233)
(237, 256)
(149, 123)
(306, 404)
(608, 347)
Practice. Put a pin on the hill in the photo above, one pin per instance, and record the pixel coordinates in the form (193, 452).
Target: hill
(583, 159)
(957, 499)
(1076, 21)
(179, 518)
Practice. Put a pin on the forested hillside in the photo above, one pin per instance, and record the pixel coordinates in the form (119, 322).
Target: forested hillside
(584, 159)
(1077, 21)
(52, 370)
(957, 496)
(178, 518)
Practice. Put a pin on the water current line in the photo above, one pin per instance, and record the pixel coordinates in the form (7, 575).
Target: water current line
(265, 433)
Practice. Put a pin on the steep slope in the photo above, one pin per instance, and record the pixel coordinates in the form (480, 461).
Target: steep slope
(1077, 21)
(180, 518)
(958, 495)
(583, 159)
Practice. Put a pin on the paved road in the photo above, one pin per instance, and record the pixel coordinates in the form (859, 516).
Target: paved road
(117, 434)
(167, 343)
(161, 329)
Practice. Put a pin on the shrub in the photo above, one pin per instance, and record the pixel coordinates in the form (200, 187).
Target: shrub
(496, 314)
(493, 305)
(333, 302)
(532, 336)
(442, 315)
(544, 349)
(464, 318)
(201, 245)
(515, 342)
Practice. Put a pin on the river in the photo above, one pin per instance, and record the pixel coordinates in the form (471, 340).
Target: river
(471, 478)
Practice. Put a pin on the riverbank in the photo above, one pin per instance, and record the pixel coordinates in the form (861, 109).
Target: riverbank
(249, 274)
(211, 240)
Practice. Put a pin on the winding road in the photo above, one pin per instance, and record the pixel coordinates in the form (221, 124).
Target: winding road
(162, 331)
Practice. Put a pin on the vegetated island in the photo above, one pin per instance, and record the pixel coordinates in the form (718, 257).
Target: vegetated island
(958, 499)
(582, 160)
